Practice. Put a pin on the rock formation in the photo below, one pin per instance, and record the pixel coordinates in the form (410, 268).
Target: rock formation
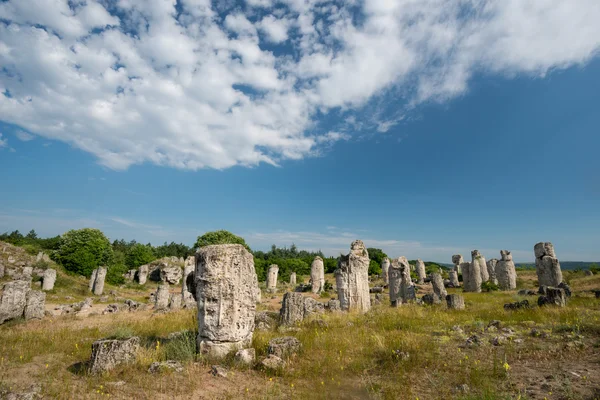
(506, 274)
(491, 269)
(272, 278)
(439, 291)
(553, 296)
(142, 274)
(93, 279)
(187, 297)
(479, 260)
(317, 275)
(455, 302)
(97, 281)
(420, 269)
(293, 279)
(14, 300)
(35, 305)
(49, 279)
(226, 290)
(401, 287)
(547, 265)
(352, 279)
(292, 308)
(453, 276)
(108, 353)
(471, 277)
(457, 260)
(385, 266)
(162, 297)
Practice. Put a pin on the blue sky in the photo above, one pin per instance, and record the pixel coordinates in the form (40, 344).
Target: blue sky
(425, 144)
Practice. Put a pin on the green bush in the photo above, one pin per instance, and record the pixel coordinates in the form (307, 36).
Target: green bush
(489, 286)
(374, 268)
(81, 251)
(137, 255)
(220, 237)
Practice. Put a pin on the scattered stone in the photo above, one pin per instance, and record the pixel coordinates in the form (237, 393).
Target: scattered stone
(162, 297)
(420, 269)
(428, 299)
(506, 273)
(517, 305)
(48, 279)
(376, 289)
(169, 365)
(401, 355)
(266, 320)
(245, 357)
(385, 266)
(553, 296)
(312, 306)
(439, 291)
(494, 323)
(563, 285)
(334, 305)
(317, 275)
(352, 279)
(112, 309)
(402, 289)
(473, 341)
(108, 353)
(526, 292)
(218, 370)
(455, 302)
(174, 302)
(35, 306)
(589, 273)
(272, 362)
(226, 289)
(284, 347)
(547, 265)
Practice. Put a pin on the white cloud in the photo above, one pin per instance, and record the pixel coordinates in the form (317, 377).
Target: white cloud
(24, 136)
(196, 90)
(3, 142)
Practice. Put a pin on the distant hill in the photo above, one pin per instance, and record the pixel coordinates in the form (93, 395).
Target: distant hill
(567, 265)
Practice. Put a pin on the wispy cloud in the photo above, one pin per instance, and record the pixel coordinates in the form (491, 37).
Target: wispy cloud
(3, 142)
(24, 136)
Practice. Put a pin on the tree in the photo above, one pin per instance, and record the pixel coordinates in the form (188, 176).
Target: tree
(83, 250)
(376, 254)
(32, 235)
(220, 237)
(138, 254)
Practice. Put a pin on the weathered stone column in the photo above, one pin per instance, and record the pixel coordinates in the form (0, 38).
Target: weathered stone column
(352, 278)
(93, 279)
(292, 308)
(471, 277)
(187, 297)
(226, 290)
(49, 279)
(385, 266)
(479, 260)
(455, 302)
(453, 276)
(491, 269)
(35, 305)
(317, 275)
(457, 260)
(162, 296)
(272, 278)
(401, 287)
(506, 273)
(293, 279)
(420, 269)
(14, 299)
(99, 282)
(547, 265)
(143, 274)
(439, 291)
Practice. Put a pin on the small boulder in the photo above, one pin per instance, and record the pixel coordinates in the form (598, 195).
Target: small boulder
(169, 365)
(218, 370)
(245, 356)
(284, 347)
(108, 353)
(272, 362)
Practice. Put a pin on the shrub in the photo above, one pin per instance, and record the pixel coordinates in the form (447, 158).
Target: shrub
(220, 237)
(81, 251)
(489, 286)
(137, 255)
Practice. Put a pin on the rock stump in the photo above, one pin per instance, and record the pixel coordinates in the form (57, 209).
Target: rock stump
(547, 265)
(506, 273)
(352, 279)
(48, 279)
(317, 275)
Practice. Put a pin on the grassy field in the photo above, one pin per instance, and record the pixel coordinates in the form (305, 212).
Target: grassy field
(410, 352)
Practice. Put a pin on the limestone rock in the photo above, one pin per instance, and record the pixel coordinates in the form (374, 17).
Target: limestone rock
(245, 357)
(142, 274)
(35, 306)
(428, 299)
(293, 279)
(517, 305)
(266, 320)
(171, 275)
(471, 277)
(457, 260)
(455, 302)
(506, 272)
(49, 279)
(401, 287)
(130, 275)
(171, 365)
(439, 291)
(284, 347)
(217, 370)
(312, 306)
(491, 269)
(98, 285)
(187, 295)
(162, 297)
(174, 301)
(334, 305)
(292, 308)
(14, 300)
(420, 269)
(93, 279)
(385, 266)
(553, 296)
(108, 353)
(453, 275)
(352, 279)
(478, 260)
(317, 275)
(547, 265)
(272, 362)
(272, 278)
(226, 290)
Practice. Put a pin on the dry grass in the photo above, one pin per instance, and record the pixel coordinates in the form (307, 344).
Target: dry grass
(350, 356)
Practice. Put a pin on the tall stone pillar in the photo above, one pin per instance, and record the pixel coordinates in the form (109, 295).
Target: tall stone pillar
(352, 278)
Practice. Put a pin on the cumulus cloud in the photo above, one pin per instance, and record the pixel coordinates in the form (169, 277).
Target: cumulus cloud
(24, 136)
(195, 86)
(3, 142)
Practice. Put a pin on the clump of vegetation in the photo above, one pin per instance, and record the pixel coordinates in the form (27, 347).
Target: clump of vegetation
(220, 237)
(489, 286)
(84, 250)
